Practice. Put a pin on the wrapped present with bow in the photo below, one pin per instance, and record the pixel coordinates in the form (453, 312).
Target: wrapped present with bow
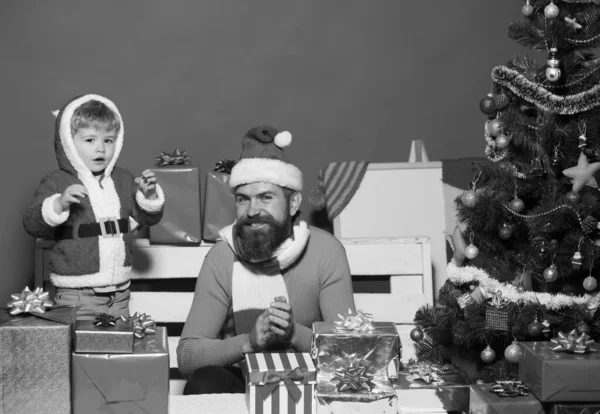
(564, 369)
(35, 353)
(180, 224)
(219, 201)
(105, 335)
(142, 324)
(357, 333)
(503, 397)
(280, 383)
(137, 382)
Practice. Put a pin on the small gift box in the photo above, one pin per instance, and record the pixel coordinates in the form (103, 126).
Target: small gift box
(574, 408)
(219, 201)
(35, 352)
(280, 383)
(503, 397)
(553, 373)
(105, 334)
(377, 342)
(136, 383)
(180, 224)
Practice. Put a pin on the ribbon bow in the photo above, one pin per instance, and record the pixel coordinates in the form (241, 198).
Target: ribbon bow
(142, 324)
(427, 373)
(106, 320)
(358, 377)
(498, 301)
(360, 323)
(175, 158)
(573, 343)
(225, 166)
(27, 301)
(272, 380)
(510, 389)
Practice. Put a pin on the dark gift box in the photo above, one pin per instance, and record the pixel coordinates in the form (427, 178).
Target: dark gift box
(559, 376)
(90, 338)
(574, 408)
(136, 383)
(35, 360)
(180, 224)
(219, 205)
(484, 401)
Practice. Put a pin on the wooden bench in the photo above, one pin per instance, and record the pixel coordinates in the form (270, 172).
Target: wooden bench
(391, 277)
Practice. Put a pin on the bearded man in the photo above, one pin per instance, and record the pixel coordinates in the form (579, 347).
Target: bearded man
(267, 279)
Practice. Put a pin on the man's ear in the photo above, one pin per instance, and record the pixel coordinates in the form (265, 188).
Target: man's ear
(295, 201)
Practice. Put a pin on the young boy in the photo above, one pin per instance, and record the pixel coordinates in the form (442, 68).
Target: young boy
(86, 207)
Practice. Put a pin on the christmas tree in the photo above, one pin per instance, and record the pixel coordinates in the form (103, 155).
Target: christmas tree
(527, 247)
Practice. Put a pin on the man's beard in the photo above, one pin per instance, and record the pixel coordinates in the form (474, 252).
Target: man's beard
(258, 245)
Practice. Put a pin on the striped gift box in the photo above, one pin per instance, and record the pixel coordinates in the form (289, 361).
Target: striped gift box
(270, 377)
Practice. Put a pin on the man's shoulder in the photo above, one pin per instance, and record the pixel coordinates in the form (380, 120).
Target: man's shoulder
(220, 253)
(323, 239)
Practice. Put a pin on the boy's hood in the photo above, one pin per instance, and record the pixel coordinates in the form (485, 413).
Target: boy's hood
(64, 147)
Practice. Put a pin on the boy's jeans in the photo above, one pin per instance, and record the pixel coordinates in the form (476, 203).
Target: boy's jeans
(91, 303)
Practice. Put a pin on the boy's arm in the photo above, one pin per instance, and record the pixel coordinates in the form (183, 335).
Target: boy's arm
(146, 211)
(40, 218)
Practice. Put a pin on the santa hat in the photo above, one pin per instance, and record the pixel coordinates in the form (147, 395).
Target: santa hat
(263, 160)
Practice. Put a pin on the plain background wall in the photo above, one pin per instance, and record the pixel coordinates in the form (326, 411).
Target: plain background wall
(350, 79)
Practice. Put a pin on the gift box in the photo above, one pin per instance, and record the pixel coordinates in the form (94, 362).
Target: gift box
(280, 383)
(484, 401)
(574, 408)
(180, 224)
(447, 387)
(219, 205)
(114, 336)
(559, 376)
(136, 383)
(349, 405)
(35, 361)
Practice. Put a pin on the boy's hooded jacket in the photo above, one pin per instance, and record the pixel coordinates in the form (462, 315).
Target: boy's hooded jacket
(97, 261)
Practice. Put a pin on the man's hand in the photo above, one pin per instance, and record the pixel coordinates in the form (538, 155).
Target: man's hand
(73, 194)
(280, 316)
(261, 336)
(147, 184)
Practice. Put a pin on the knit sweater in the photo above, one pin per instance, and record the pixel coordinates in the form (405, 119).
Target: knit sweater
(319, 287)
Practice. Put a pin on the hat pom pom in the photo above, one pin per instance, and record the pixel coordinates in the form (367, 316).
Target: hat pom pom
(283, 139)
(317, 199)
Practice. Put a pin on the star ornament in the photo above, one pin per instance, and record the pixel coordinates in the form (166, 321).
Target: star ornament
(583, 173)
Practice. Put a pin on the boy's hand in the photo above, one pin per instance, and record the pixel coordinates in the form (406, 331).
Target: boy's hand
(72, 194)
(147, 184)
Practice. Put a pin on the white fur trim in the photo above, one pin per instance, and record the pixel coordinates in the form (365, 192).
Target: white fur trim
(151, 205)
(66, 138)
(49, 215)
(254, 170)
(100, 279)
(469, 274)
(251, 290)
(283, 139)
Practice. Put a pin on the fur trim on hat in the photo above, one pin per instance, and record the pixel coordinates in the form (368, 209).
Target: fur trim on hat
(254, 170)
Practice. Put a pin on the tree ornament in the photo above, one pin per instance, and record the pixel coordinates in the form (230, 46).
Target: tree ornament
(535, 328)
(583, 173)
(471, 287)
(551, 273)
(584, 328)
(590, 283)
(506, 231)
(520, 289)
(513, 352)
(501, 101)
(553, 71)
(589, 225)
(576, 261)
(517, 205)
(495, 127)
(546, 328)
(502, 141)
(572, 197)
(551, 10)
(496, 313)
(539, 244)
(471, 251)
(469, 198)
(527, 10)
(582, 140)
(487, 105)
(417, 334)
(556, 162)
(488, 355)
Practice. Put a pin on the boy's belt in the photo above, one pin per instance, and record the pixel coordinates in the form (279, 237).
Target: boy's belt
(104, 228)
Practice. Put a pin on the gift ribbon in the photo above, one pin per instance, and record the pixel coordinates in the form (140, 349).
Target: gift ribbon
(354, 379)
(573, 343)
(359, 323)
(142, 324)
(175, 158)
(105, 320)
(27, 301)
(271, 381)
(427, 373)
(498, 301)
(225, 166)
(510, 389)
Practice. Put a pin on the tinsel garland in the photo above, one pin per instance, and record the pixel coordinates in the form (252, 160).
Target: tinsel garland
(470, 274)
(544, 99)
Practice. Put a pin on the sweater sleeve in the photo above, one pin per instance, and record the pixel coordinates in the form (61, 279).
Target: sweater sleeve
(335, 295)
(145, 211)
(39, 218)
(199, 345)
